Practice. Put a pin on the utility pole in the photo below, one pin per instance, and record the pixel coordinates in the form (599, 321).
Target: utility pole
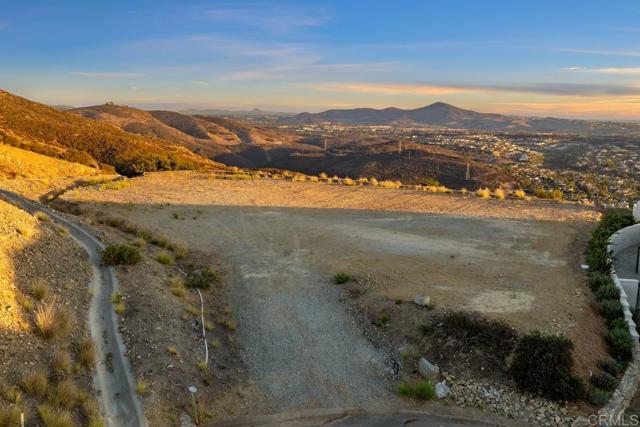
(325, 143)
(467, 175)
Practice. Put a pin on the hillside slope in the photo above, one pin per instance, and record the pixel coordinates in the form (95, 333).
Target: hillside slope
(45, 130)
(445, 115)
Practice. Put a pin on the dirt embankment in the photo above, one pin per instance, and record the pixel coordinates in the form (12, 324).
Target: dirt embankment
(40, 266)
(191, 188)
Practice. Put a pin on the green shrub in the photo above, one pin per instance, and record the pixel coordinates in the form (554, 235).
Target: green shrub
(598, 258)
(620, 343)
(164, 258)
(121, 255)
(202, 279)
(611, 309)
(604, 381)
(613, 367)
(423, 390)
(607, 292)
(618, 323)
(598, 280)
(426, 328)
(543, 365)
(599, 397)
(341, 278)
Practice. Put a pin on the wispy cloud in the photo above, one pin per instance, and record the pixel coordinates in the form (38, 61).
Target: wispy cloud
(606, 52)
(303, 67)
(561, 89)
(621, 71)
(272, 17)
(199, 82)
(106, 74)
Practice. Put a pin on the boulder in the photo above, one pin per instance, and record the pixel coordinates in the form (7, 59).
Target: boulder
(422, 301)
(428, 370)
(442, 390)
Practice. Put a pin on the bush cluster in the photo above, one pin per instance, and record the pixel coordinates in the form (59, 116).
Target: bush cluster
(543, 366)
(202, 279)
(423, 390)
(120, 255)
(597, 256)
(497, 338)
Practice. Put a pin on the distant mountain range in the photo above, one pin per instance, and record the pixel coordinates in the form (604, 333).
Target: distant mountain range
(254, 113)
(445, 115)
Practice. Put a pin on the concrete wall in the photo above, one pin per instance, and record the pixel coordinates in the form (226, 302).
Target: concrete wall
(621, 397)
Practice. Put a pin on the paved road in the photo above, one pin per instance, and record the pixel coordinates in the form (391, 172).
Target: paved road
(113, 380)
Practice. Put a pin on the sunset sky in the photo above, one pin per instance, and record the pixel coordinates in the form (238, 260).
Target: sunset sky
(561, 58)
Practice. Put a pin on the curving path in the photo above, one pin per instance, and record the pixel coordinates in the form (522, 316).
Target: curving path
(113, 379)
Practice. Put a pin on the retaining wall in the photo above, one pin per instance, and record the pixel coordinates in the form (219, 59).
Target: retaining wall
(621, 397)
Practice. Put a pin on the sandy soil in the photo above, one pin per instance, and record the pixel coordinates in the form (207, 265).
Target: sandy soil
(511, 260)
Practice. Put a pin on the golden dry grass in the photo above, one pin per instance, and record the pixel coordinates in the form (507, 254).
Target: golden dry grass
(18, 163)
(51, 322)
(35, 383)
(141, 387)
(483, 193)
(64, 394)
(9, 417)
(11, 394)
(61, 362)
(519, 194)
(87, 355)
(54, 417)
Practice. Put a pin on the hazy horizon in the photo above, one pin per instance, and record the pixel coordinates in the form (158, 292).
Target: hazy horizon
(579, 61)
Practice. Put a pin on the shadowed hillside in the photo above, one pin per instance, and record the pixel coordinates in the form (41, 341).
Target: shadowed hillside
(45, 130)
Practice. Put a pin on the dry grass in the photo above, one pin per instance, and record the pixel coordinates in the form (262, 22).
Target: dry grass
(35, 383)
(87, 354)
(25, 230)
(519, 194)
(164, 257)
(11, 394)
(64, 394)
(115, 185)
(215, 343)
(120, 308)
(172, 350)
(141, 387)
(61, 363)
(41, 216)
(202, 365)
(62, 230)
(39, 289)
(54, 417)
(192, 310)
(9, 417)
(116, 297)
(499, 193)
(483, 193)
(51, 322)
(209, 326)
(16, 162)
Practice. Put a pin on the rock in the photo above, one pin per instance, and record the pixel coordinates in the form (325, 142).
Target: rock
(185, 421)
(442, 390)
(580, 422)
(427, 369)
(422, 301)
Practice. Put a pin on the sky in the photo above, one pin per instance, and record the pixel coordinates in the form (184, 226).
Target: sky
(543, 58)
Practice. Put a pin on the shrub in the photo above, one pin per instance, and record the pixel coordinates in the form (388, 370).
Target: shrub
(35, 383)
(620, 343)
(172, 350)
(41, 216)
(164, 258)
(54, 417)
(64, 394)
(11, 394)
(141, 387)
(117, 184)
(341, 278)
(9, 417)
(87, 354)
(484, 193)
(604, 381)
(427, 328)
(496, 337)
(202, 365)
(120, 308)
(61, 363)
(543, 364)
(39, 289)
(599, 397)
(50, 321)
(613, 367)
(598, 280)
(596, 255)
(202, 279)
(499, 193)
(423, 390)
(121, 255)
(519, 194)
(611, 309)
(607, 292)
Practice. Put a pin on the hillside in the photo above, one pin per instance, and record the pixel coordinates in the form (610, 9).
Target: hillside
(45, 130)
(236, 143)
(445, 115)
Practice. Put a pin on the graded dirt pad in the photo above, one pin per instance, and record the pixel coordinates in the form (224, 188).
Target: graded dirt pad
(35, 253)
(511, 260)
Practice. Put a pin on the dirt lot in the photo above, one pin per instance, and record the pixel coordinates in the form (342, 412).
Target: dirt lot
(511, 260)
